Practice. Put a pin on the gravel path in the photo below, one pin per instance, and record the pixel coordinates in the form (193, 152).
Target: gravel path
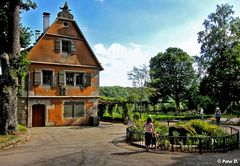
(99, 146)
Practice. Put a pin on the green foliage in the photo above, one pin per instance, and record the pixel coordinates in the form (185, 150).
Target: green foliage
(25, 36)
(139, 123)
(204, 128)
(172, 73)
(6, 138)
(19, 66)
(25, 33)
(191, 96)
(114, 92)
(207, 104)
(168, 108)
(106, 114)
(161, 129)
(21, 70)
(21, 128)
(191, 114)
(136, 116)
(28, 4)
(117, 112)
(139, 76)
(219, 62)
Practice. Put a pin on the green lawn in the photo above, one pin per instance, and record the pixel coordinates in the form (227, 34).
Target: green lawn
(223, 115)
(6, 138)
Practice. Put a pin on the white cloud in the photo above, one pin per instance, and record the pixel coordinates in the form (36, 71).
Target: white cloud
(118, 60)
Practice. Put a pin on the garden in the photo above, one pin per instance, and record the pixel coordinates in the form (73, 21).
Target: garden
(186, 136)
(183, 131)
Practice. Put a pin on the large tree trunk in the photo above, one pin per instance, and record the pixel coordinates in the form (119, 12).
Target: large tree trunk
(9, 82)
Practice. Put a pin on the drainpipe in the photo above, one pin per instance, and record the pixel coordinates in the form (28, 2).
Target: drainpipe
(28, 83)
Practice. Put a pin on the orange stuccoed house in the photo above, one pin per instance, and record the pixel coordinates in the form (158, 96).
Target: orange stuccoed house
(63, 83)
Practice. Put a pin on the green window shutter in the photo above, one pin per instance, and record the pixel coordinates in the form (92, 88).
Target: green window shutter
(79, 109)
(73, 47)
(61, 78)
(37, 77)
(88, 78)
(57, 45)
(68, 110)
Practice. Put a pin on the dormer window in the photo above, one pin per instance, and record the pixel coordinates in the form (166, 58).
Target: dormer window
(65, 46)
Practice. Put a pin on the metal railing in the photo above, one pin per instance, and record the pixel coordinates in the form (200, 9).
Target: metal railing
(188, 143)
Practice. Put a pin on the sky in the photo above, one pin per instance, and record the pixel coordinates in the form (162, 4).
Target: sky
(128, 33)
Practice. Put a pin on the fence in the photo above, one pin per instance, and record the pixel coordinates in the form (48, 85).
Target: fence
(189, 143)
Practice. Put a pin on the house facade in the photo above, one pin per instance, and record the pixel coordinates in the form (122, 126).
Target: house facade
(62, 88)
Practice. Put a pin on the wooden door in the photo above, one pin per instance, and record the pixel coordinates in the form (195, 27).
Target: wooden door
(38, 115)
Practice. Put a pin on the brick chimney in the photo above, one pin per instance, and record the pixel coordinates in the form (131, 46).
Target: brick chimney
(46, 18)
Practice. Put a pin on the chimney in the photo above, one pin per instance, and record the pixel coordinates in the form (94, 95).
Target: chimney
(37, 34)
(46, 17)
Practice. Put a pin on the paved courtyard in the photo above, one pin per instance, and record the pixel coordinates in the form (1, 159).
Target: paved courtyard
(98, 146)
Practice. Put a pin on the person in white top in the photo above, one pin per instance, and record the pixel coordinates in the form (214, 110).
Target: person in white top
(201, 112)
(149, 130)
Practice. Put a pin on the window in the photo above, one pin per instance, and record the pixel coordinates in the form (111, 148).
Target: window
(79, 79)
(65, 23)
(66, 46)
(47, 76)
(76, 79)
(73, 109)
(70, 79)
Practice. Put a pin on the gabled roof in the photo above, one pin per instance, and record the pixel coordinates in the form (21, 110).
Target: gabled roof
(66, 15)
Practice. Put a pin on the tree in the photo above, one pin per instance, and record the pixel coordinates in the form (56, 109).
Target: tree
(172, 73)
(140, 78)
(10, 58)
(220, 56)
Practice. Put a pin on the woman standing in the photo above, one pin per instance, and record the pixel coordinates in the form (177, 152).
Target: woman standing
(149, 130)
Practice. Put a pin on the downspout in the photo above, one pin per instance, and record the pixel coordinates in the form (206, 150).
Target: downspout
(28, 83)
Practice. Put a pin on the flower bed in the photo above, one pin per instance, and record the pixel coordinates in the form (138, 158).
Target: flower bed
(207, 139)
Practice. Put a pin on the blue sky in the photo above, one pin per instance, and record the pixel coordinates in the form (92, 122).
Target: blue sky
(127, 33)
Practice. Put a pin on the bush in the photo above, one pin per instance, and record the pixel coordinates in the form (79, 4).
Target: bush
(204, 128)
(106, 114)
(117, 115)
(21, 128)
(161, 129)
(168, 107)
(136, 116)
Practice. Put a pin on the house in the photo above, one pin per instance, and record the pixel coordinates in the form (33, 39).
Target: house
(63, 76)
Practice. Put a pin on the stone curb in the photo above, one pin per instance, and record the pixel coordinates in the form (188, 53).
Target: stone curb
(15, 142)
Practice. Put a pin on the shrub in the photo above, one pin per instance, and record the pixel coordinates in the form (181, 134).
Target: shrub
(21, 128)
(117, 115)
(136, 116)
(106, 114)
(204, 128)
(161, 129)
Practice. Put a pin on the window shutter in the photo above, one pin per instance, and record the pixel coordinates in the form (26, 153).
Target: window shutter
(37, 77)
(88, 79)
(73, 47)
(57, 45)
(79, 109)
(61, 78)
